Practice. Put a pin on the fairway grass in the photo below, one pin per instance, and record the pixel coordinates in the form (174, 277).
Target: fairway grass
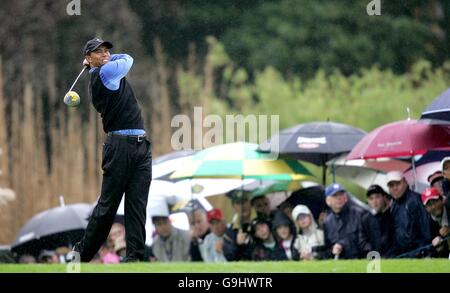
(331, 266)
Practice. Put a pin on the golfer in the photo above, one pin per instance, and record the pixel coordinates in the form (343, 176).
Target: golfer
(126, 156)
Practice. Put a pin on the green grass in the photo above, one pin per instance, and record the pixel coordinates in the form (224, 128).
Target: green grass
(342, 266)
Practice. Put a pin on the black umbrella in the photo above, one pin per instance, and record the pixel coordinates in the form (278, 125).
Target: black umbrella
(53, 228)
(316, 142)
(163, 166)
(439, 109)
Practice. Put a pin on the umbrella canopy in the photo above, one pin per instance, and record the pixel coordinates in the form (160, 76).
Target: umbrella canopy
(405, 138)
(240, 160)
(425, 166)
(164, 165)
(61, 226)
(439, 109)
(366, 172)
(188, 188)
(315, 142)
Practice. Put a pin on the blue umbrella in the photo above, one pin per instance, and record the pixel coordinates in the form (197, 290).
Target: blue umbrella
(439, 109)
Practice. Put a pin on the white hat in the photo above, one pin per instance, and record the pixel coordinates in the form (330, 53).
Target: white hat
(298, 210)
(443, 162)
(394, 176)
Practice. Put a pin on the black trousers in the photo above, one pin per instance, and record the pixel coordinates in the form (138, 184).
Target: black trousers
(127, 169)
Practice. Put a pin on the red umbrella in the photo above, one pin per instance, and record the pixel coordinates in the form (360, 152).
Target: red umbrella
(405, 138)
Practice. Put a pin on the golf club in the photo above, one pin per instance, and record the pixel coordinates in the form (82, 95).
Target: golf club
(84, 68)
(71, 98)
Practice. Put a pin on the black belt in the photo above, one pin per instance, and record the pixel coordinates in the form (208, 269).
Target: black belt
(132, 138)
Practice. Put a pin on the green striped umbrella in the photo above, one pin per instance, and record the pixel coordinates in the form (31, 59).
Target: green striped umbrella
(240, 160)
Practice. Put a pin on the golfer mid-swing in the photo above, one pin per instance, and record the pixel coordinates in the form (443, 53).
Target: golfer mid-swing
(126, 156)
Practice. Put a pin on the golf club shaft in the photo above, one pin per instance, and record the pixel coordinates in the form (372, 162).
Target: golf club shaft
(84, 68)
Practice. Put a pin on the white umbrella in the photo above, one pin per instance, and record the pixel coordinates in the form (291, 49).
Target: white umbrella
(422, 173)
(366, 172)
(166, 164)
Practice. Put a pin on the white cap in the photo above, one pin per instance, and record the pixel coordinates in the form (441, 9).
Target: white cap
(298, 210)
(443, 162)
(394, 176)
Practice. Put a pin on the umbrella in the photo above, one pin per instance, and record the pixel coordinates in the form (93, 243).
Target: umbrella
(50, 229)
(188, 188)
(366, 172)
(439, 109)
(404, 138)
(315, 142)
(164, 165)
(240, 160)
(426, 165)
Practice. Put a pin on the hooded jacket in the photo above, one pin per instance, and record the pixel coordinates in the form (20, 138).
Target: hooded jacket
(312, 239)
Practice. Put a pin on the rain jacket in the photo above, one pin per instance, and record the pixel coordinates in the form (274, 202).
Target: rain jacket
(411, 224)
(355, 229)
(173, 248)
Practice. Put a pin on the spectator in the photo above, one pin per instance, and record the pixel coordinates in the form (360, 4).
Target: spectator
(212, 247)
(171, 244)
(310, 239)
(200, 230)
(48, 256)
(264, 246)
(439, 210)
(380, 203)
(261, 205)
(285, 234)
(350, 231)
(435, 180)
(117, 231)
(120, 248)
(446, 172)
(242, 210)
(411, 223)
(26, 259)
(106, 254)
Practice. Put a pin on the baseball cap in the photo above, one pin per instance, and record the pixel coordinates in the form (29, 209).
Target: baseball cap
(430, 193)
(93, 44)
(434, 177)
(215, 214)
(333, 189)
(299, 210)
(394, 176)
(375, 188)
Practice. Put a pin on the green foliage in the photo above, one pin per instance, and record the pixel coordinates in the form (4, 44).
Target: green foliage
(300, 37)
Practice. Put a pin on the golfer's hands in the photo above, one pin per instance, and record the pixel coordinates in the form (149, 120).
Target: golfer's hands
(86, 63)
(436, 241)
(337, 249)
